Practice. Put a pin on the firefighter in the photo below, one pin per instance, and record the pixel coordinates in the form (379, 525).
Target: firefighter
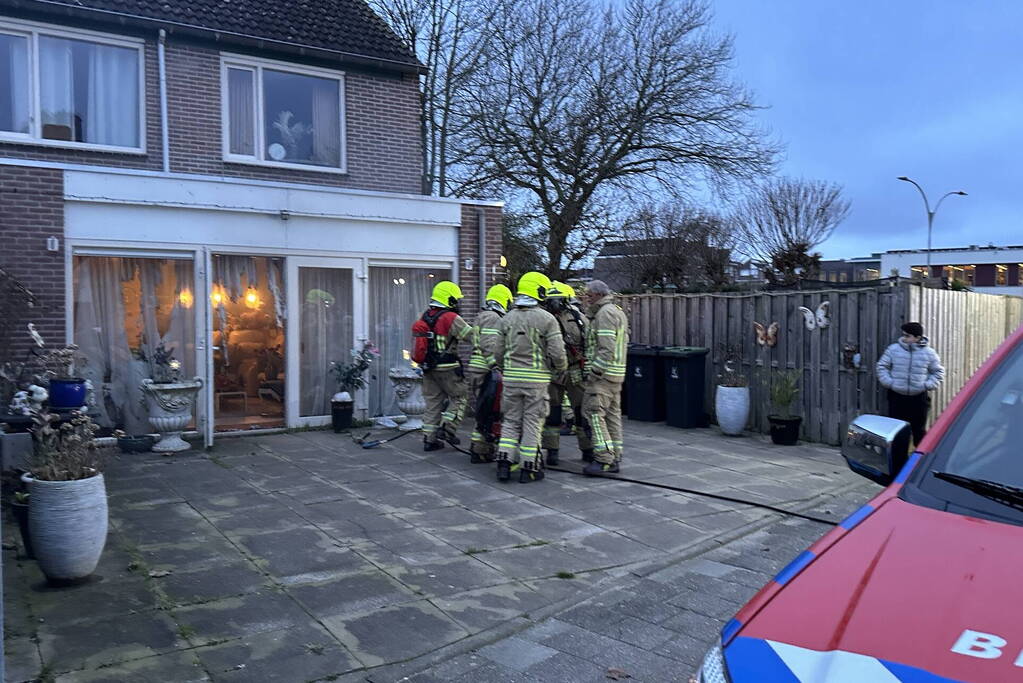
(443, 384)
(573, 327)
(606, 342)
(530, 353)
(485, 331)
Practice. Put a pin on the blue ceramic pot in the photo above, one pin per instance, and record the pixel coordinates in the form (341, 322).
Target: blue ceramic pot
(67, 393)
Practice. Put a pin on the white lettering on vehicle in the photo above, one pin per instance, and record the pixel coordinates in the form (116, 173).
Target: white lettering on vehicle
(983, 646)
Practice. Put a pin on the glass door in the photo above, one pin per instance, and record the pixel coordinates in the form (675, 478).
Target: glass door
(327, 304)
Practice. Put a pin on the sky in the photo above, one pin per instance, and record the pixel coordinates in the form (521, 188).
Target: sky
(861, 92)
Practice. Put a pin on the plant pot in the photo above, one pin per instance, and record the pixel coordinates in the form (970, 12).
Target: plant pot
(67, 393)
(136, 444)
(341, 415)
(784, 430)
(67, 522)
(731, 405)
(170, 411)
(20, 511)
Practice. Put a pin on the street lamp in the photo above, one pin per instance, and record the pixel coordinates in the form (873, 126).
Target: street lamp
(930, 214)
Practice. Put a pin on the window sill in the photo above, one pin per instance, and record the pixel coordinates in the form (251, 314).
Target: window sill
(243, 161)
(15, 139)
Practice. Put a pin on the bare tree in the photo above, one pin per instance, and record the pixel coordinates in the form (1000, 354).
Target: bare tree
(573, 106)
(784, 219)
(445, 36)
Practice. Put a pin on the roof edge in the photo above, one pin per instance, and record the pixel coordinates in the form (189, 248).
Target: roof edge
(51, 7)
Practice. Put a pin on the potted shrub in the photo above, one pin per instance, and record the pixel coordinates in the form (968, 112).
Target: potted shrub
(67, 517)
(19, 506)
(350, 377)
(731, 401)
(169, 400)
(784, 425)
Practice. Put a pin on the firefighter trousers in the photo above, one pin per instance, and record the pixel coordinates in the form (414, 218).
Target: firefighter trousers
(552, 426)
(479, 444)
(445, 396)
(602, 411)
(524, 407)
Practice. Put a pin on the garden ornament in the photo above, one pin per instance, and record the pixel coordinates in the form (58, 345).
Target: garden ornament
(37, 396)
(818, 320)
(766, 337)
(19, 404)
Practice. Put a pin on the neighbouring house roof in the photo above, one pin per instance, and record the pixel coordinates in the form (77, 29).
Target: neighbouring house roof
(638, 247)
(342, 28)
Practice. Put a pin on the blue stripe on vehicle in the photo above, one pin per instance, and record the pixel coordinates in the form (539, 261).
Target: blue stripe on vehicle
(794, 567)
(856, 517)
(907, 468)
(752, 659)
(911, 674)
(729, 631)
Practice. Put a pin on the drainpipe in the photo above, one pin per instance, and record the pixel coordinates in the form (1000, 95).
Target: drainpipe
(481, 222)
(164, 138)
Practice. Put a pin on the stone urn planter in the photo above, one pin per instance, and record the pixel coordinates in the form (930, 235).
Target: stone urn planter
(408, 387)
(170, 410)
(67, 523)
(732, 408)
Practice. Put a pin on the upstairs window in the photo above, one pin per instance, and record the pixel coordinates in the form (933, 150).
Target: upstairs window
(282, 115)
(68, 88)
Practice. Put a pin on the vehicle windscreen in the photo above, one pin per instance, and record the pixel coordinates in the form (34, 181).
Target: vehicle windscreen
(985, 443)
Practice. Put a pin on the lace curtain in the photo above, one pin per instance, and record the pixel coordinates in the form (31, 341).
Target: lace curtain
(397, 297)
(326, 334)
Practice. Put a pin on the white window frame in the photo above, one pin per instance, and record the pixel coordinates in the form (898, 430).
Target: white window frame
(256, 66)
(32, 30)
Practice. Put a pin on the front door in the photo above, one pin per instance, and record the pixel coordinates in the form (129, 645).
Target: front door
(326, 316)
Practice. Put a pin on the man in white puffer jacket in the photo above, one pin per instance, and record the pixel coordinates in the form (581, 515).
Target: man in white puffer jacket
(909, 369)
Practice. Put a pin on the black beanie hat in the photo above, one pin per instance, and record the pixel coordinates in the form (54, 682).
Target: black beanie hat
(915, 329)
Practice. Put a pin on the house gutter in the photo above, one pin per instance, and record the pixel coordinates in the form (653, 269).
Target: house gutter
(164, 125)
(481, 222)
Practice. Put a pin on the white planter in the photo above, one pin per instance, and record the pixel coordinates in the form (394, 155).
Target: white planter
(67, 522)
(408, 387)
(732, 408)
(170, 411)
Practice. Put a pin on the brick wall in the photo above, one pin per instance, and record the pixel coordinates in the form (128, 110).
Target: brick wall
(468, 247)
(382, 118)
(32, 209)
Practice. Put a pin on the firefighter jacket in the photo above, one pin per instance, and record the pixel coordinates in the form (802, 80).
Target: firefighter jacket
(574, 326)
(607, 341)
(485, 333)
(529, 348)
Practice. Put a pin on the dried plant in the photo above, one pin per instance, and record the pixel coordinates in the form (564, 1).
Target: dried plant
(731, 374)
(163, 367)
(65, 451)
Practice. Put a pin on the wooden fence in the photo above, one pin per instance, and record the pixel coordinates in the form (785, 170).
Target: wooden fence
(965, 327)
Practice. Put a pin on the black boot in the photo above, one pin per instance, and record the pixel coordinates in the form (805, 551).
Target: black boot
(599, 469)
(448, 434)
(529, 474)
(552, 456)
(479, 458)
(588, 455)
(432, 445)
(503, 470)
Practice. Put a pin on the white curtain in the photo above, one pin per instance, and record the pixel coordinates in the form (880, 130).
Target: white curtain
(241, 119)
(397, 297)
(112, 108)
(56, 86)
(325, 336)
(14, 50)
(326, 123)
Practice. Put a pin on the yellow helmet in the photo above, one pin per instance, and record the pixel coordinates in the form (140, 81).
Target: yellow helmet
(535, 285)
(446, 294)
(501, 295)
(561, 290)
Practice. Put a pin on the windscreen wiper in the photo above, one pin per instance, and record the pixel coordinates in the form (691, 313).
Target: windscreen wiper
(1006, 494)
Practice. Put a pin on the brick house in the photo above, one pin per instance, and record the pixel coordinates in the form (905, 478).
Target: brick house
(240, 182)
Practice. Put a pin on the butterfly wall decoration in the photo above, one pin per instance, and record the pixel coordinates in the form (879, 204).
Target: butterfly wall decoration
(766, 336)
(817, 320)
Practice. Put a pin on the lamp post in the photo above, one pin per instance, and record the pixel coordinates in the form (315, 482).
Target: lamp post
(930, 214)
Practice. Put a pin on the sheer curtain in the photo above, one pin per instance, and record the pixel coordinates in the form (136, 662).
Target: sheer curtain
(326, 123)
(325, 335)
(397, 297)
(112, 108)
(14, 91)
(56, 88)
(241, 112)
